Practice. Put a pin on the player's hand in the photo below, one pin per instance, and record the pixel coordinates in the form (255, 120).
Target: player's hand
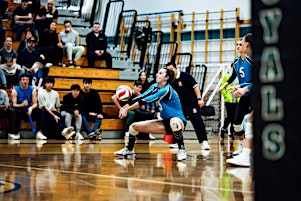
(122, 113)
(239, 92)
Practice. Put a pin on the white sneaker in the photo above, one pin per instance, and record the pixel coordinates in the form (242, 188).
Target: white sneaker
(14, 136)
(181, 155)
(40, 136)
(79, 136)
(67, 131)
(174, 146)
(69, 136)
(205, 145)
(239, 148)
(125, 152)
(151, 137)
(239, 160)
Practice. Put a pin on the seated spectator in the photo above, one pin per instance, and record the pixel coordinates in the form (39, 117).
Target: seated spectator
(92, 110)
(50, 46)
(6, 111)
(96, 46)
(22, 19)
(23, 43)
(72, 109)
(45, 16)
(28, 56)
(2, 33)
(24, 100)
(8, 51)
(70, 39)
(143, 78)
(12, 72)
(52, 123)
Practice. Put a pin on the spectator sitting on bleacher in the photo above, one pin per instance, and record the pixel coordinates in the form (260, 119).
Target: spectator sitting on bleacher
(96, 46)
(24, 100)
(22, 19)
(92, 110)
(23, 43)
(28, 56)
(2, 33)
(12, 72)
(52, 122)
(6, 111)
(70, 39)
(45, 16)
(8, 51)
(50, 46)
(72, 109)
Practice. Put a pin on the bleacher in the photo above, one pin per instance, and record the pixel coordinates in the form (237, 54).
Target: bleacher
(105, 81)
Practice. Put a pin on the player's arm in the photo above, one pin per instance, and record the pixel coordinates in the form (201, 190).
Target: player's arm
(124, 110)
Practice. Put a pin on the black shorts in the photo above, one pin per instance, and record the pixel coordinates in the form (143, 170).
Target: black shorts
(168, 129)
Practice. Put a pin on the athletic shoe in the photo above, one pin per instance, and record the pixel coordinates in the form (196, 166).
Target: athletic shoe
(205, 145)
(181, 155)
(239, 160)
(98, 131)
(40, 136)
(69, 136)
(151, 137)
(239, 148)
(173, 146)
(99, 137)
(92, 136)
(79, 136)
(67, 131)
(125, 152)
(14, 136)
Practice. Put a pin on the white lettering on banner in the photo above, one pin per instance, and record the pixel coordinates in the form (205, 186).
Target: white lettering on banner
(271, 71)
(273, 141)
(271, 107)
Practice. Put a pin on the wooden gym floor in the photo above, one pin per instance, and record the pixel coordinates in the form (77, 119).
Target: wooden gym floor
(65, 170)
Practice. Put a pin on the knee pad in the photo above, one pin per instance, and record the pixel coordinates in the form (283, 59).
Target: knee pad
(175, 125)
(132, 131)
(249, 130)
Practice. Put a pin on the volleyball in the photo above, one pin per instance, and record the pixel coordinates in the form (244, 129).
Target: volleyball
(123, 93)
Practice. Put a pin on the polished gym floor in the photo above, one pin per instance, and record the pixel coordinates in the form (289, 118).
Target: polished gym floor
(55, 170)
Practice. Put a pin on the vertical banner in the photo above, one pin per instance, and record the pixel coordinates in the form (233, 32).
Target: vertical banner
(276, 99)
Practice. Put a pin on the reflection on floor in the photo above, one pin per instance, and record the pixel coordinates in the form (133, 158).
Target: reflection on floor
(59, 170)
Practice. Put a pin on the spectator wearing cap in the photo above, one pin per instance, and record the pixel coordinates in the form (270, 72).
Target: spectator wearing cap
(45, 16)
(22, 19)
(28, 56)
